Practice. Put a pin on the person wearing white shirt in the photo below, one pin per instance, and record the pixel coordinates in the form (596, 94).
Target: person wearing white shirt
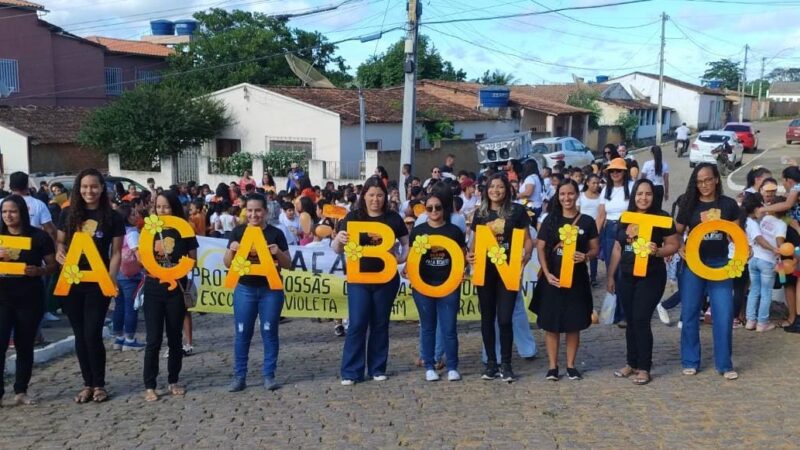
(469, 196)
(765, 238)
(589, 204)
(532, 188)
(657, 171)
(623, 153)
(290, 223)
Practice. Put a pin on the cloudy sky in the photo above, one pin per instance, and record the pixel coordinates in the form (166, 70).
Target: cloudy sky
(535, 49)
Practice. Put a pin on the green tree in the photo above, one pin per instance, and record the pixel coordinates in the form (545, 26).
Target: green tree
(387, 69)
(249, 47)
(784, 74)
(724, 70)
(497, 78)
(587, 99)
(151, 122)
(629, 124)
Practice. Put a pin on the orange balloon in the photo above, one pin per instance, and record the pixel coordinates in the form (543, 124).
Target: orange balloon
(786, 249)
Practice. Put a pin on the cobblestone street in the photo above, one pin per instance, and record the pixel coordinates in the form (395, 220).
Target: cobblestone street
(312, 410)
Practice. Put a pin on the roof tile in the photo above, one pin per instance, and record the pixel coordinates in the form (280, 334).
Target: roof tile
(132, 47)
(21, 4)
(785, 87)
(46, 124)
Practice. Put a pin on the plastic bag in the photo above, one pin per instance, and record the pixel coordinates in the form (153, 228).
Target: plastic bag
(608, 309)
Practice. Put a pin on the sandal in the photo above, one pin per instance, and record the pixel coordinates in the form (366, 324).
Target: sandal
(85, 395)
(642, 377)
(625, 372)
(784, 324)
(177, 389)
(23, 399)
(150, 395)
(100, 395)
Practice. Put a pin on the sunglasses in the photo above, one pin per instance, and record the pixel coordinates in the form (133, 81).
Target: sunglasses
(433, 208)
(615, 171)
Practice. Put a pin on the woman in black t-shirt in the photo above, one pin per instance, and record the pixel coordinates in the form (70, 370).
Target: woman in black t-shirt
(502, 216)
(564, 310)
(165, 309)
(86, 305)
(435, 267)
(369, 306)
(20, 309)
(640, 295)
(702, 202)
(254, 298)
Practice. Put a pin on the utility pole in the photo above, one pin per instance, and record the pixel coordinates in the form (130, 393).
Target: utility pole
(760, 83)
(363, 127)
(744, 81)
(660, 112)
(407, 139)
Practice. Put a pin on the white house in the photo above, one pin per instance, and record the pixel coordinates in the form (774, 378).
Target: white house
(699, 107)
(784, 91)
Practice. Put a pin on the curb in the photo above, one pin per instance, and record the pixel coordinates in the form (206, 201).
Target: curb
(44, 354)
(737, 187)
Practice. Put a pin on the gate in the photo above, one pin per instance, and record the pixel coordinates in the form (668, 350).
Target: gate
(187, 166)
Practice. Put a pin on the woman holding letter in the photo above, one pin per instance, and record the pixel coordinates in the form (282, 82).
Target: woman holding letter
(369, 305)
(639, 294)
(560, 309)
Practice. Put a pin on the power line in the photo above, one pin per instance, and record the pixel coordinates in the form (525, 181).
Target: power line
(383, 21)
(696, 44)
(742, 2)
(613, 27)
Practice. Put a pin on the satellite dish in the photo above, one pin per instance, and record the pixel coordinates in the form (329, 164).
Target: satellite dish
(578, 80)
(5, 91)
(307, 73)
(638, 94)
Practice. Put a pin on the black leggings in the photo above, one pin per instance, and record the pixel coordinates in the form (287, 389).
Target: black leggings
(22, 316)
(160, 312)
(658, 197)
(639, 297)
(86, 308)
(496, 302)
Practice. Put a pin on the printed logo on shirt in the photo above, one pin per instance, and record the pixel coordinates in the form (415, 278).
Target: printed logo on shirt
(13, 253)
(90, 227)
(375, 239)
(498, 226)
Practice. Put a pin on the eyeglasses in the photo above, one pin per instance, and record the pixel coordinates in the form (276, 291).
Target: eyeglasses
(706, 181)
(433, 208)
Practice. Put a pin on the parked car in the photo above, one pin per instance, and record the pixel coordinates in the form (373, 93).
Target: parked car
(69, 180)
(793, 131)
(747, 135)
(705, 143)
(567, 149)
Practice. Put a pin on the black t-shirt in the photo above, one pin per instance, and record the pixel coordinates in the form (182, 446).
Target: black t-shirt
(587, 230)
(20, 285)
(503, 228)
(168, 247)
(435, 264)
(273, 236)
(714, 245)
(103, 232)
(628, 257)
(390, 218)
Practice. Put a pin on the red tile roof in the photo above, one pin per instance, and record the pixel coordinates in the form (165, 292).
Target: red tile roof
(681, 83)
(381, 105)
(561, 92)
(21, 4)
(45, 124)
(132, 47)
(521, 96)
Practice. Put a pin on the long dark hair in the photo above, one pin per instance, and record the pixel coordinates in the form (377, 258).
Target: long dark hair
(653, 209)
(656, 151)
(24, 216)
(749, 204)
(555, 211)
(586, 181)
(77, 206)
(486, 204)
(613, 149)
(692, 195)
(531, 167)
(752, 174)
(223, 191)
(307, 206)
(626, 180)
(373, 181)
(174, 203)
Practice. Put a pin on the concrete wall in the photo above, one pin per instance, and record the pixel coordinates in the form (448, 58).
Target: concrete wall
(162, 178)
(14, 148)
(79, 71)
(65, 158)
(533, 119)
(784, 97)
(424, 161)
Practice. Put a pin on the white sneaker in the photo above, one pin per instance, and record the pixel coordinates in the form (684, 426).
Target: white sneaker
(431, 375)
(663, 315)
(380, 378)
(166, 353)
(348, 382)
(50, 317)
(453, 375)
(680, 324)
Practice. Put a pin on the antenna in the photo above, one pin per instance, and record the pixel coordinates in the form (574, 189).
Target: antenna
(5, 91)
(307, 73)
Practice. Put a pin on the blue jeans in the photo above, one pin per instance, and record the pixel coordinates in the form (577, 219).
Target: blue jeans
(762, 277)
(125, 317)
(521, 326)
(693, 291)
(369, 307)
(438, 313)
(438, 350)
(250, 302)
(608, 236)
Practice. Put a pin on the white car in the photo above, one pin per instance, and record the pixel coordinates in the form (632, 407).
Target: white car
(568, 149)
(707, 141)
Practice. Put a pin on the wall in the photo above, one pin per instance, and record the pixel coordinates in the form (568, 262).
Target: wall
(61, 158)
(79, 72)
(163, 178)
(784, 97)
(14, 147)
(130, 64)
(425, 160)
(29, 43)
(600, 137)
(778, 109)
(533, 119)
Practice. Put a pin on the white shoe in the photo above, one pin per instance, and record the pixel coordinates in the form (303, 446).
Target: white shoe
(431, 375)
(50, 317)
(166, 353)
(453, 375)
(663, 315)
(380, 378)
(348, 382)
(680, 324)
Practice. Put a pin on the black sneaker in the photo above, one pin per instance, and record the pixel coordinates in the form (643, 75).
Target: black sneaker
(573, 374)
(506, 374)
(491, 371)
(338, 330)
(552, 375)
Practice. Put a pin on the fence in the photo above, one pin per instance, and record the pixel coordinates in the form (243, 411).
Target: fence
(782, 109)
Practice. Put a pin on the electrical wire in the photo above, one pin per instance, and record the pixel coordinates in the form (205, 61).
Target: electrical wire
(612, 27)
(696, 44)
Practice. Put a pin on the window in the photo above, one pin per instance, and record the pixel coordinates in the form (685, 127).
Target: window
(113, 81)
(482, 136)
(9, 74)
(147, 76)
(228, 147)
(567, 145)
(373, 145)
(305, 147)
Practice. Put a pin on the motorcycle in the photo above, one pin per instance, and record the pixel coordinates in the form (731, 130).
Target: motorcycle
(724, 163)
(681, 146)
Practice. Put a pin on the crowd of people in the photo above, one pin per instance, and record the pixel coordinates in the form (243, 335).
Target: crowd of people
(541, 202)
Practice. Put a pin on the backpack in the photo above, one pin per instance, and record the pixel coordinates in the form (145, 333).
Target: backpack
(129, 265)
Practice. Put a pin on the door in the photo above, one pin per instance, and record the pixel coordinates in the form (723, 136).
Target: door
(186, 166)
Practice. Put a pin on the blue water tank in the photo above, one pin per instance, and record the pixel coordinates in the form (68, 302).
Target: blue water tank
(494, 96)
(162, 27)
(715, 84)
(185, 27)
(601, 78)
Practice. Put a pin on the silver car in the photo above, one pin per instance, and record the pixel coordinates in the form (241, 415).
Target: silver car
(567, 149)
